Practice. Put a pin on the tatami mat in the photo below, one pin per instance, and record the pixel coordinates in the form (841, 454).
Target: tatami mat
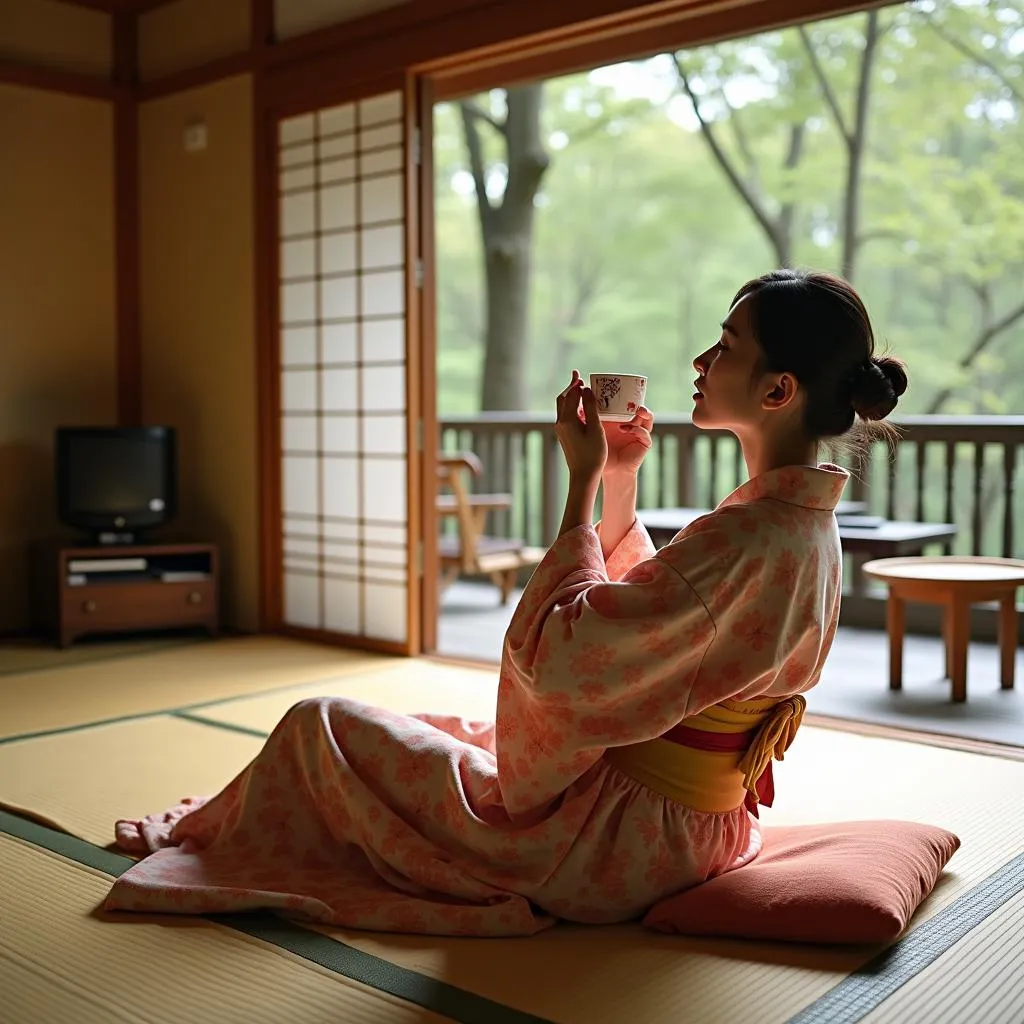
(61, 962)
(61, 698)
(623, 973)
(19, 655)
(990, 992)
(81, 781)
(406, 686)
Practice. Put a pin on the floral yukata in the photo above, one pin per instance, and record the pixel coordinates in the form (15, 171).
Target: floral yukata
(588, 798)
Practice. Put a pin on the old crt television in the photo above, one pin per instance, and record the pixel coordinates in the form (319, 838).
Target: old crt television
(116, 481)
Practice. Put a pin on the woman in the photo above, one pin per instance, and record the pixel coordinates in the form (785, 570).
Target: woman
(642, 694)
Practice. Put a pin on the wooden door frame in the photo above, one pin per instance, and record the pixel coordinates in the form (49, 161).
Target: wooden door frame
(424, 453)
(629, 35)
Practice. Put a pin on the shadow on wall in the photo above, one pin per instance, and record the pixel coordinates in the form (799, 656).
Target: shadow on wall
(27, 515)
(211, 505)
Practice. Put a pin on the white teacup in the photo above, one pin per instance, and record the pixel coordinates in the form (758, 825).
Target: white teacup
(619, 395)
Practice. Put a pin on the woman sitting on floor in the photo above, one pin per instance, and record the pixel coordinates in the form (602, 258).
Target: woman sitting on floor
(641, 699)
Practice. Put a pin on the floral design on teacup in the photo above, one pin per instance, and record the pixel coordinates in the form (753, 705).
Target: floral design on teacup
(610, 387)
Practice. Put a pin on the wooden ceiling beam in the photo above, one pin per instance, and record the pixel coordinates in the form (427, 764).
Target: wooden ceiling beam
(119, 6)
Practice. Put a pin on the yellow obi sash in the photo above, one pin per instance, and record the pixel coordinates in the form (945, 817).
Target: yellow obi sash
(718, 759)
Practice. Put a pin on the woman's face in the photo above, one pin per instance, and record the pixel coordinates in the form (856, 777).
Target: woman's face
(730, 387)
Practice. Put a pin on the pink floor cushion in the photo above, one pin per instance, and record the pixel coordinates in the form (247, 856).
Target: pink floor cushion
(842, 883)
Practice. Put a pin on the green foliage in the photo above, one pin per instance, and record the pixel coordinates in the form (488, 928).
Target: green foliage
(642, 239)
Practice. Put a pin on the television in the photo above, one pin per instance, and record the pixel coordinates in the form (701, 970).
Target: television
(116, 481)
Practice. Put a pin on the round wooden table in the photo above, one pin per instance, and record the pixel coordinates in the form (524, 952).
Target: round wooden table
(955, 582)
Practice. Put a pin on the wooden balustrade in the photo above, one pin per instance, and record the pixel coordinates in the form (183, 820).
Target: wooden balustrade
(959, 469)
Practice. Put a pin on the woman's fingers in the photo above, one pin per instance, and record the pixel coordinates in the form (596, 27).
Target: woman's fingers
(643, 417)
(637, 432)
(574, 380)
(560, 398)
(590, 406)
(569, 402)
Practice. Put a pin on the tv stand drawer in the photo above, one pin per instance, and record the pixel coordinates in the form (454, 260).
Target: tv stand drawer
(116, 606)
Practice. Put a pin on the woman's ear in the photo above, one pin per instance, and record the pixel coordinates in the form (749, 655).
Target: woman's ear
(782, 391)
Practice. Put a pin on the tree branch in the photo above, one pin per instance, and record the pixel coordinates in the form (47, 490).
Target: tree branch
(770, 227)
(739, 133)
(585, 276)
(966, 51)
(985, 336)
(476, 165)
(826, 87)
(879, 235)
(471, 107)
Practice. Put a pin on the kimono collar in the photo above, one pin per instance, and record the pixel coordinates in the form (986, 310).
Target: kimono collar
(807, 486)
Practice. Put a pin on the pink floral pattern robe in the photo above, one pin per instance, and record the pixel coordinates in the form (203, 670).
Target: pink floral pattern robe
(360, 817)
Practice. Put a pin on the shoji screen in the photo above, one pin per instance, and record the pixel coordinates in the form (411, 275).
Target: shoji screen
(342, 316)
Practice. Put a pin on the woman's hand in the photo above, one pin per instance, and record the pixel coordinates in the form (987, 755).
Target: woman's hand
(580, 433)
(628, 444)
(581, 436)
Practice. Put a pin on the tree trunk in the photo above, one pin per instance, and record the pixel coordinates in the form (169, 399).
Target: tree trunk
(506, 230)
(507, 265)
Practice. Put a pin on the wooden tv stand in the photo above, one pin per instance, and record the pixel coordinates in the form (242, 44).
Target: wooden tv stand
(178, 588)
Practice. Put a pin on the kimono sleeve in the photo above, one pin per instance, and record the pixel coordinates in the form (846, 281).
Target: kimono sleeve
(634, 548)
(610, 662)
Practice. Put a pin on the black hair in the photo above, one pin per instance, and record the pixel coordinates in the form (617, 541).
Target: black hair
(815, 326)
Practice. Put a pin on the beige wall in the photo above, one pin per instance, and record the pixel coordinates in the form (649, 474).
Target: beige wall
(57, 35)
(57, 308)
(198, 331)
(189, 33)
(294, 17)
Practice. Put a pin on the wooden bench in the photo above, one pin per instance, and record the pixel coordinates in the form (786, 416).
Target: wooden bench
(472, 552)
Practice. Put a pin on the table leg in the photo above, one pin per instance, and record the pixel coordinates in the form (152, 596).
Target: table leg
(858, 581)
(895, 624)
(1008, 626)
(959, 627)
(947, 642)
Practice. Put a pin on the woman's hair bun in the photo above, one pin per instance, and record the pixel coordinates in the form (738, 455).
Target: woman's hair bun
(877, 386)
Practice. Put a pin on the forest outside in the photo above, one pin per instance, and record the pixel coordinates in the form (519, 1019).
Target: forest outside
(604, 220)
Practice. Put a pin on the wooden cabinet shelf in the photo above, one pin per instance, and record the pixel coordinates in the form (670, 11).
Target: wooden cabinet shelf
(85, 590)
